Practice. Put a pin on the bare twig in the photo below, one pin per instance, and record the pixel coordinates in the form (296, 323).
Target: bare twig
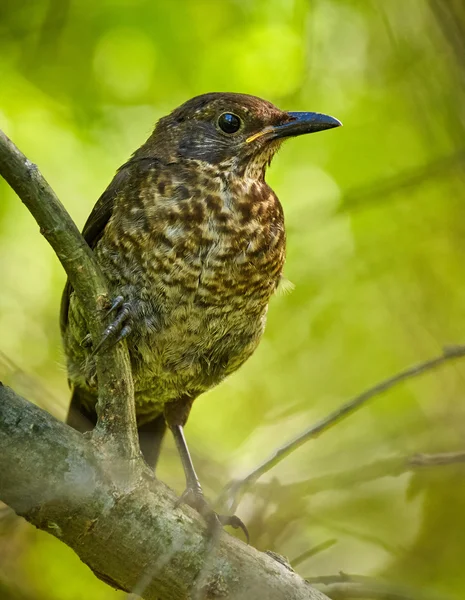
(347, 529)
(312, 552)
(433, 460)
(355, 587)
(117, 421)
(232, 492)
(387, 467)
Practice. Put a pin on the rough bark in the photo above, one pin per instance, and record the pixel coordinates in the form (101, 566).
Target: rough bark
(121, 521)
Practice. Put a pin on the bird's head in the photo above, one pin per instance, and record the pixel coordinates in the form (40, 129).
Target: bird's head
(234, 132)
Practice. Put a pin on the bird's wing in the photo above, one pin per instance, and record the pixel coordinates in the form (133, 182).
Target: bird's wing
(99, 217)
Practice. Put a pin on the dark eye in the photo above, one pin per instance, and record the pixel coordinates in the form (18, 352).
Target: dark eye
(229, 123)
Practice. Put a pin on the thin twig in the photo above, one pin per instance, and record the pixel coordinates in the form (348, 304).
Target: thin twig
(231, 493)
(348, 530)
(117, 421)
(356, 587)
(433, 460)
(386, 467)
(312, 552)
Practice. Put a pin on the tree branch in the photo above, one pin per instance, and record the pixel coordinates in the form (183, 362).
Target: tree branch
(341, 480)
(117, 420)
(232, 492)
(129, 532)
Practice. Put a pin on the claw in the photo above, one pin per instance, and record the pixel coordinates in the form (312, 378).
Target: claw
(124, 333)
(236, 523)
(194, 497)
(86, 341)
(117, 302)
(118, 329)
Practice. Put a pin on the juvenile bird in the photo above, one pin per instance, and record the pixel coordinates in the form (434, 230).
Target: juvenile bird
(192, 242)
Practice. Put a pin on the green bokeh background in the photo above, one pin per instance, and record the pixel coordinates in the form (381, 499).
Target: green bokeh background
(375, 217)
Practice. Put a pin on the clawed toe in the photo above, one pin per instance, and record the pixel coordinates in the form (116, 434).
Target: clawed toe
(86, 342)
(117, 303)
(195, 499)
(119, 328)
(234, 522)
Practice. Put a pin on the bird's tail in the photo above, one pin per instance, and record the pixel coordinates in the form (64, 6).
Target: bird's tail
(150, 438)
(81, 417)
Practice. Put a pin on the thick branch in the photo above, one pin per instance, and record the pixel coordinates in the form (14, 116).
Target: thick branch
(117, 422)
(127, 532)
(450, 353)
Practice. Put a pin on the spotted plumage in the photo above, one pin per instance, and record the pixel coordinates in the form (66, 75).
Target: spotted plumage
(198, 269)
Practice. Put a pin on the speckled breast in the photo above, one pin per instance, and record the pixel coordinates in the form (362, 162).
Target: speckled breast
(198, 259)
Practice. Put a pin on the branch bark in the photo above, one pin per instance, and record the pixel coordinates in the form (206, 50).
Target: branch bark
(126, 531)
(117, 419)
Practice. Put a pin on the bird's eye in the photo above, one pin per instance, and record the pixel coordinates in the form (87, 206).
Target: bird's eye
(229, 123)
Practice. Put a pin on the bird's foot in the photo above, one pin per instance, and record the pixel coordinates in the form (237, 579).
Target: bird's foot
(119, 328)
(193, 496)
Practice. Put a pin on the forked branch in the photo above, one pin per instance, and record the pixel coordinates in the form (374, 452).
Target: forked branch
(117, 421)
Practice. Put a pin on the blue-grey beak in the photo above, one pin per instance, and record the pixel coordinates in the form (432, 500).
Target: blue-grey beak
(304, 122)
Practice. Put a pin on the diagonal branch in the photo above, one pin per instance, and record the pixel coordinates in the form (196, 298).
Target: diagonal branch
(393, 466)
(131, 533)
(233, 491)
(117, 421)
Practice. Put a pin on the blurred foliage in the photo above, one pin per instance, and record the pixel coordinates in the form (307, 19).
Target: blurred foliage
(376, 221)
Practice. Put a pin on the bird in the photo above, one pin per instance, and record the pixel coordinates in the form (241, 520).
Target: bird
(192, 242)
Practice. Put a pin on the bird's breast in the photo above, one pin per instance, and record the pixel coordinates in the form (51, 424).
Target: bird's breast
(199, 268)
(218, 244)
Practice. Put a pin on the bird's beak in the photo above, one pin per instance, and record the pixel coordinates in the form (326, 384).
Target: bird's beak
(305, 122)
(299, 123)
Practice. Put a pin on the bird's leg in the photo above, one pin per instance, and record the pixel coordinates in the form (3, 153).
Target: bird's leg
(193, 494)
(119, 328)
(176, 415)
